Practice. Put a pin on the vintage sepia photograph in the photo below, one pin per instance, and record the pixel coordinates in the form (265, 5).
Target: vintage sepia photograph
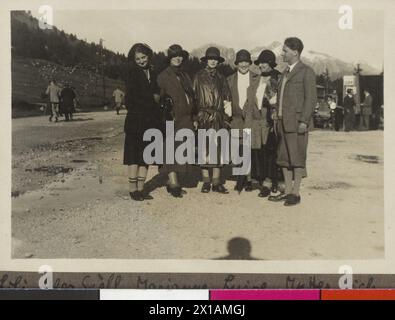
(190, 134)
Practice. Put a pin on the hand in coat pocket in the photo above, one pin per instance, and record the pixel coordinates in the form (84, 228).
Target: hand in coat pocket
(302, 128)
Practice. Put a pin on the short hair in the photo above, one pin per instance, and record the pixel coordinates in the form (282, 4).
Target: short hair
(294, 44)
(349, 90)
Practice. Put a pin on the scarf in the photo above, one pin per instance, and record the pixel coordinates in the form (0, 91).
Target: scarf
(185, 83)
(212, 71)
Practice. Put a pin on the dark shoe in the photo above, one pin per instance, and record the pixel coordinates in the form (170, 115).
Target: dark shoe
(206, 187)
(248, 186)
(220, 189)
(56, 119)
(50, 119)
(265, 192)
(278, 198)
(239, 186)
(240, 182)
(176, 192)
(136, 196)
(292, 200)
(146, 196)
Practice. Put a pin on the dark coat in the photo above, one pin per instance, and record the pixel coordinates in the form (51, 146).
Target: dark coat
(257, 118)
(211, 90)
(183, 104)
(67, 96)
(299, 97)
(143, 111)
(349, 104)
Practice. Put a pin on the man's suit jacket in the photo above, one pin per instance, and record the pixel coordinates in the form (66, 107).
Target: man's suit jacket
(299, 97)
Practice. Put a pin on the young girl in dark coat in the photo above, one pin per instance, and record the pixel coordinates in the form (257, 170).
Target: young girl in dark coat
(141, 101)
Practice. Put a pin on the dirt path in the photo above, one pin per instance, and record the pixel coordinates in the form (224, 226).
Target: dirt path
(87, 213)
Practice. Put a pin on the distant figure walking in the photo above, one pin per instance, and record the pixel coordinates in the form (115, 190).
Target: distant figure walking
(118, 95)
(53, 91)
(67, 101)
(349, 113)
(366, 110)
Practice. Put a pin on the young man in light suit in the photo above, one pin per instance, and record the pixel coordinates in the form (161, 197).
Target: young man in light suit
(297, 98)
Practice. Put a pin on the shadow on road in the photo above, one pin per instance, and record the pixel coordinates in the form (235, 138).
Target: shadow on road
(238, 249)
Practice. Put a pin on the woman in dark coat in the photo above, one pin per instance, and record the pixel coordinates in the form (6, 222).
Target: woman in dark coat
(141, 100)
(212, 99)
(176, 90)
(264, 140)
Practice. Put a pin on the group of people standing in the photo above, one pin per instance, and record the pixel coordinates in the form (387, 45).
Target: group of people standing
(62, 100)
(355, 119)
(275, 107)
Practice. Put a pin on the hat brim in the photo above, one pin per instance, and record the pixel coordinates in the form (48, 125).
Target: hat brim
(273, 64)
(238, 61)
(183, 53)
(220, 59)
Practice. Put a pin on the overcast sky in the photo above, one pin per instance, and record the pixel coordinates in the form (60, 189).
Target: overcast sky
(232, 28)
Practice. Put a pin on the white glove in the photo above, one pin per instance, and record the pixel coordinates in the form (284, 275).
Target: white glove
(228, 108)
(273, 100)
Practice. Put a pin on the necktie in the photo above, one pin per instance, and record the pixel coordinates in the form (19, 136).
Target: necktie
(283, 82)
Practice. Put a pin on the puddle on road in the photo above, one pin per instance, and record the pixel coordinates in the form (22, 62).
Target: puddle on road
(16, 194)
(61, 189)
(331, 185)
(53, 170)
(86, 139)
(367, 158)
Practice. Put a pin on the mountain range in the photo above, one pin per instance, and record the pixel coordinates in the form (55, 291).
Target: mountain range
(317, 60)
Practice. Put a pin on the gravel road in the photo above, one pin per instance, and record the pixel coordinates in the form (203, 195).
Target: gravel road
(70, 200)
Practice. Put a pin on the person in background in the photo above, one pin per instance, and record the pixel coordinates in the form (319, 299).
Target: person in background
(214, 111)
(349, 115)
(53, 91)
(339, 117)
(176, 85)
(239, 83)
(366, 110)
(118, 95)
(332, 107)
(67, 101)
(142, 102)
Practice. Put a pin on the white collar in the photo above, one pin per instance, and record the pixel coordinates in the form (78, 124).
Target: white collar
(292, 66)
(243, 75)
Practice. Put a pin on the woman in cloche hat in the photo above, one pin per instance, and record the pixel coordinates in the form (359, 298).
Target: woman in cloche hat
(176, 89)
(212, 99)
(264, 141)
